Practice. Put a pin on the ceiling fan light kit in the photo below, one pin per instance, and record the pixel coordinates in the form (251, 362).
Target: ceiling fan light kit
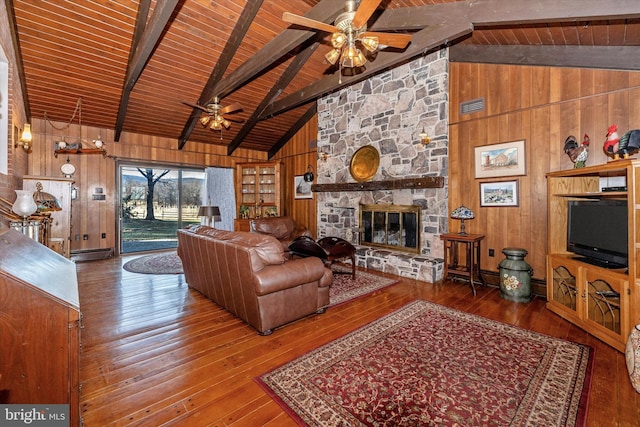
(351, 27)
(213, 116)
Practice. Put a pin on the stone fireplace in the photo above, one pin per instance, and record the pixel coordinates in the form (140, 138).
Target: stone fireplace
(388, 112)
(393, 227)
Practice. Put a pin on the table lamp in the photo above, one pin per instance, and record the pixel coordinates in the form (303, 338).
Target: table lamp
(210, 212)
(462, 213)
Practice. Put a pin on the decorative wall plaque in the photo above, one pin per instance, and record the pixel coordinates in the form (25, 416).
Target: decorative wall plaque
(364, 163)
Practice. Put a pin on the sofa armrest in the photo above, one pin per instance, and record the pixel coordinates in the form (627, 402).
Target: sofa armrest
(292, 273)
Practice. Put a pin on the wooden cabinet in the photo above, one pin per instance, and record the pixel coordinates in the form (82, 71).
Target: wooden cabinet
(258, 192)
(40, 325)
(60, 226)
(603, 301)
(595, 298)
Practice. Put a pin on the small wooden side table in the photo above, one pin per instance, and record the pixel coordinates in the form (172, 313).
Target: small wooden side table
(470, 270)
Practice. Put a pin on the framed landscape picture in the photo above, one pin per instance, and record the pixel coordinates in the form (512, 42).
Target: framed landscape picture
(497, 160)
(501, 193)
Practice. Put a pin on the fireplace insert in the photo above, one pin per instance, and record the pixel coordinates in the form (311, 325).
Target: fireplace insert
(395, 227)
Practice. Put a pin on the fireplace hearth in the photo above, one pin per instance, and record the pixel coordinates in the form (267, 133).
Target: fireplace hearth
(394, 227)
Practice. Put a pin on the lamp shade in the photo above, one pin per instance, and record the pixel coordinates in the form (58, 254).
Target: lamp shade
(210, 211)
(462, 212)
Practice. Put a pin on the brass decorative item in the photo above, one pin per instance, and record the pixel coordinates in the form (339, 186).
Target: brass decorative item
(364, 163)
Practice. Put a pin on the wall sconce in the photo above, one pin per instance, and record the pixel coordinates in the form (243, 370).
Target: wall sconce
(424, 137)
(462, 213)
(25, 139)
(323, 156)
(308, 176)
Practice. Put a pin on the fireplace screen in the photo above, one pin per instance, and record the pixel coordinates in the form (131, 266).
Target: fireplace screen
(391, 226)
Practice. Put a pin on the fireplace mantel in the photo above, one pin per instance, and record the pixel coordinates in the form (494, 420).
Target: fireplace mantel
(392, 184)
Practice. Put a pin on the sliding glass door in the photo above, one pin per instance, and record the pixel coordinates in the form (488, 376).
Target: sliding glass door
(155, 201)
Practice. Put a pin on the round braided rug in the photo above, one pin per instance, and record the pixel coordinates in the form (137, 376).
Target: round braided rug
(161, 263)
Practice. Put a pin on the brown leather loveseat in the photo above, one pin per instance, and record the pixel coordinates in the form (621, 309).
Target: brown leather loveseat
(250, 275)
(283, 228)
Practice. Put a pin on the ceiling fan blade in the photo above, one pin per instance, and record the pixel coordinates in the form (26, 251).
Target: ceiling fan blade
(364, 12)
(230, 109)
(390, 39)
(307, 22)
(196, 106)
(234, 120)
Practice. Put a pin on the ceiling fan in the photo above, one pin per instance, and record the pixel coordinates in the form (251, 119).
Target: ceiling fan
(214, 116)
(349, 27)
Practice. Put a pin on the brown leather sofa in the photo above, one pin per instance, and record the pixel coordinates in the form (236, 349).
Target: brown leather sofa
(283, 228)
(250, 275)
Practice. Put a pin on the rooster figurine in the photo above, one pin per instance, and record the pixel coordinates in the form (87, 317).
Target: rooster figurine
(611, 144)
(628, 144)
(577, 153)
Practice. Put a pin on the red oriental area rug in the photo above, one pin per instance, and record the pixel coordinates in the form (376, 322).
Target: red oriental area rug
(426, 365)
(344, 288)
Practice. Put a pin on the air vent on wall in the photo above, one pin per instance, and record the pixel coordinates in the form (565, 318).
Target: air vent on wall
(472, 106)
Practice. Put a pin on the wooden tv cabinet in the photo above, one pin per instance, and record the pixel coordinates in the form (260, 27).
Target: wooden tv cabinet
(604, 302)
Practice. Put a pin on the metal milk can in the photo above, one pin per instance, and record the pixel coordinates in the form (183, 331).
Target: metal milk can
(515, 276)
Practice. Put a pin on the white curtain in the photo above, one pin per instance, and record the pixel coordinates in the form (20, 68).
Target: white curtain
(219, 192)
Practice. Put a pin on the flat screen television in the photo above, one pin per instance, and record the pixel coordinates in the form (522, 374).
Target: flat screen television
(597, 231)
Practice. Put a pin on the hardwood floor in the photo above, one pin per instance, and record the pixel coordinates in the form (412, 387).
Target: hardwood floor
(156, 353)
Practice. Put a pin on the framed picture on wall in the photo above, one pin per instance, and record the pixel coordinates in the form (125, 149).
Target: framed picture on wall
(497, 160)
(301, 188)
(500, 193)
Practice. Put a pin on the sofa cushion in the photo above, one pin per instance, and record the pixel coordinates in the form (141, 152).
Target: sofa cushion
(267, 248)
(279, 227)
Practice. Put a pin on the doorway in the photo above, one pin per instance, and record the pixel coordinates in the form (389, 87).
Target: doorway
(155, 201)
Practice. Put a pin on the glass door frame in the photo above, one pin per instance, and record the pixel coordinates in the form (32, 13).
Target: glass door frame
(124, 163)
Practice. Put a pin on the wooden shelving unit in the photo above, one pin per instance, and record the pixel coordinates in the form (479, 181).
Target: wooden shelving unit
(81, 150)
(605, 302)
(258, 190)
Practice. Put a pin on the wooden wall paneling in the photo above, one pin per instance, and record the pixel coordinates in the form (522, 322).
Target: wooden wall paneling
(523, 87)
(296, 156)
(537, 168)
(454, 93)
(634, 79)
(541, 85)
(456, 138)
(562, 102)
(589, 82)
(634, 106)
(619, 111)
(593, 122)
(469, 87)
(569, 83)
(520, 217)
(497, 91)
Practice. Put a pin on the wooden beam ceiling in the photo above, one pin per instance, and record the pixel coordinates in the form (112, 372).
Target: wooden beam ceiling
(144, 46)
(275, 91)
(195, 49)
(233, 42)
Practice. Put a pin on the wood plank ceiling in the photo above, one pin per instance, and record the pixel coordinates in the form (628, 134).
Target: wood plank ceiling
(134, 62)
